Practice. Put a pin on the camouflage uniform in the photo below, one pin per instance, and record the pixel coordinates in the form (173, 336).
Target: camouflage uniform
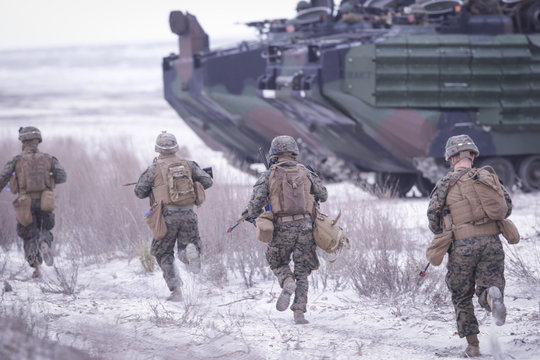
(293, 237)
(474, 264)
(43, 221)
(181, 223)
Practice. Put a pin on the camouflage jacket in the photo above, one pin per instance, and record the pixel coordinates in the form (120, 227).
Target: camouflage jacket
(260, 195)
(437, 203)
(59, 174)
(146, 180)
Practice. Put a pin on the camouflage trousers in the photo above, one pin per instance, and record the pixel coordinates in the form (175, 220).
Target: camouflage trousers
(294, 238)
(182, 229)
(474, 265)
(38, 230)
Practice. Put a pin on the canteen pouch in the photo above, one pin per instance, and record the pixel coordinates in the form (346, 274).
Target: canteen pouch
(509, 230)
(265, 226)
(156, 221)
(439, 247)
(47, 200)
(327, 235)
(23, 212)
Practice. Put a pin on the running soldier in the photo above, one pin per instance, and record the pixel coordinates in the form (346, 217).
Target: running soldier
(32, 175)
(476, 256)
(172, 182)
(292, 190)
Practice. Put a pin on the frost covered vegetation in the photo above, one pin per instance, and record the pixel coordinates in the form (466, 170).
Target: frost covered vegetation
(99, 225)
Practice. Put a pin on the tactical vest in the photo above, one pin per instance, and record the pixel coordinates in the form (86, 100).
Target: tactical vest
(290, 190)
(33, 174)
(173, 183)
(468, 216)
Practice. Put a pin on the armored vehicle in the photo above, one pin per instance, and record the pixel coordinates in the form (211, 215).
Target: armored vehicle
(374, 87)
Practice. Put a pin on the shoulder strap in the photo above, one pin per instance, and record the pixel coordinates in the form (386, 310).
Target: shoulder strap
(456, 177)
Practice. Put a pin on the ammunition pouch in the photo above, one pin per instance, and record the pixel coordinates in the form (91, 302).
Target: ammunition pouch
(327, 235)
(200, 195)
(13, 184)
(439, 247)
(156, 221)
(23, 211)
(509, 230)
(47, 200)
(265, 226)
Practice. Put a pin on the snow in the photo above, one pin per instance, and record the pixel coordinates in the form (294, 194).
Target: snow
(119, 311)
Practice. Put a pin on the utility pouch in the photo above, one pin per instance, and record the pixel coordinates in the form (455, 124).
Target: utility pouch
(265, 226)
(509, 230)
(200, 195)
(23, 212)
(47, 200)
(327, 235)
(156, 221)
(13, 185)
(439, 247)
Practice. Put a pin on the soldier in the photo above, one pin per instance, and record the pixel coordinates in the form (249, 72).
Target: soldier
(291, 189)
(171, 181)
(32, 175)
(476, 256)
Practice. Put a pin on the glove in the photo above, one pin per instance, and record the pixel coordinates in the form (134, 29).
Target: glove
(251, 220)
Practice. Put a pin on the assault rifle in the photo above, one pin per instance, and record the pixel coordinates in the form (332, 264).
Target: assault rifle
(268, 207)
(207, 170)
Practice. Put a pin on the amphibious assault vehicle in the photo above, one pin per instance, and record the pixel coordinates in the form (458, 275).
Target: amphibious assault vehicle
(376, 86)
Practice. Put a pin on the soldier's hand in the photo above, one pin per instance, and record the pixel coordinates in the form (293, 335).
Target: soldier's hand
(251, 220)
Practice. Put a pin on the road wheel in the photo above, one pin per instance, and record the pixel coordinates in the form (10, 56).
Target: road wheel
(391, 184)
(529, 173)
(504, 169)
(425, 186)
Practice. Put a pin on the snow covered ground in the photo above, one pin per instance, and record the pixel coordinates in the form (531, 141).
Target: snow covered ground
(113, 308)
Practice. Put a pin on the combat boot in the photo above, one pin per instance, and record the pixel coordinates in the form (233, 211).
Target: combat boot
(36, 274)
(193, 259)
(496, 303)
(299, 318)
(176, 295)
(473, 347)
(289, 286)
(46, 253)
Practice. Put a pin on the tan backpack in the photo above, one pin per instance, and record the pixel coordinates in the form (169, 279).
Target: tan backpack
(175, 186)
(290, 190)
(33, 173)
(490, 193)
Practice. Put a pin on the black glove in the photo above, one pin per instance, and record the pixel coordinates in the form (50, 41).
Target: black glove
(251, 220)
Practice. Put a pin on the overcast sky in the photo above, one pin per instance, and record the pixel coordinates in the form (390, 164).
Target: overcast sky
(53, 23)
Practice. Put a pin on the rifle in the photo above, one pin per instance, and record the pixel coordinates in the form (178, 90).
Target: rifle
(207, 170)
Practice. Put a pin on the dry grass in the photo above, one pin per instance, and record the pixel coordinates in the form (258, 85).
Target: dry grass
(98, 219)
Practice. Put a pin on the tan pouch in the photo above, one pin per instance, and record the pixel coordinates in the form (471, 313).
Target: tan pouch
(47, 200)
(327, 235)
(200, 196)
(156, 221)
(509, 230)
(439, 247)
(13, 186)
(265, 226)
(23, 212)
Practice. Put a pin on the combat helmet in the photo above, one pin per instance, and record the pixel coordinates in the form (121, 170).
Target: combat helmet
(29, 133)
(283, 144)
(346, 7)
(302, 5)
(457, 144)
(166, 143)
